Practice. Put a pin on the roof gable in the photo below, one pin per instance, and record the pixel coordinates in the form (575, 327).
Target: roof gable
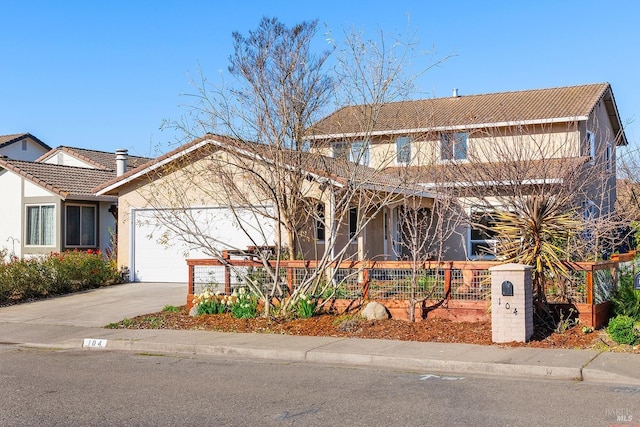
(13, 138)
(97, 159)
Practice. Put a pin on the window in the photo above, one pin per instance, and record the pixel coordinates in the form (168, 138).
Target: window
(403, 149)
(353, 222)
(340, 150)
(40, 225)
(80, 226)
(24, 145)
(360, 153)
(320, 225)
(609, 156)
(357, 152)
(453, 146)
(481, 237)
(591, 144)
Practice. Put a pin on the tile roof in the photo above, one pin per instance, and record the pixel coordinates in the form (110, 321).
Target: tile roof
(470, 175)
(66, 181)
(10, 139)
(340, 171)
(470, 110)
(100, 159)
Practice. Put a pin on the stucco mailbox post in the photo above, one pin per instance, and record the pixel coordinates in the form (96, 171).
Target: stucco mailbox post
(511, 303)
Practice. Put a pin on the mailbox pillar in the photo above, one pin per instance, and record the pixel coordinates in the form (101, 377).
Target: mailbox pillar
(511, 303)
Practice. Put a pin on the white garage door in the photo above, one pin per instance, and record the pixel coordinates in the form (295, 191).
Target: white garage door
(158, 253)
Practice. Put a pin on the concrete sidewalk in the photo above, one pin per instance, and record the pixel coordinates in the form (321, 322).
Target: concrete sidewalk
(66, 322)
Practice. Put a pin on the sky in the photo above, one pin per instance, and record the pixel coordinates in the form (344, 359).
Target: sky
(105, 75)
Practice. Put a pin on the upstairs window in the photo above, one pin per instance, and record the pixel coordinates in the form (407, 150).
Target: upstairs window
(360, 153)
(608, 156)
(403, 150)
(80, 226)
(591, 146)
(40, 225)
(340, 150)
(453, 146)
(357, 152)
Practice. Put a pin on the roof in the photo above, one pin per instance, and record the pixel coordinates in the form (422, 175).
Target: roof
(494, 174)
(340, 172)
(100, 159)
(563, 104)
(65, 181)
(10, 139)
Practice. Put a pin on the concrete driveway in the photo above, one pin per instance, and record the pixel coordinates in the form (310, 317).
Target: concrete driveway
(98, 307)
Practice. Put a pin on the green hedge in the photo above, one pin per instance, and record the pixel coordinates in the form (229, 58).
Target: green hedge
(55, 274)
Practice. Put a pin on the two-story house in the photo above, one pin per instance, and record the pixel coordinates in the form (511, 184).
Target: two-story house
(485, 148)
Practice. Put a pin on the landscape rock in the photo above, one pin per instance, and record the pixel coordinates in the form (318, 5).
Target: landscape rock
(375, 311)
(194, 311)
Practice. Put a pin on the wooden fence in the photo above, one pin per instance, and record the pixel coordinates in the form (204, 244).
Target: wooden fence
(456, 290)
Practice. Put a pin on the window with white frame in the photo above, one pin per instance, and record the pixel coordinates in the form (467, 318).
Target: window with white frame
(453, 146)
(357, 152)
(591, 146)
(340, 150)
(80, 225)
(609, 156)
(353, 222)
(40, 226)
(360, 152)
(320, 224)
(482, 242)
(403, 149)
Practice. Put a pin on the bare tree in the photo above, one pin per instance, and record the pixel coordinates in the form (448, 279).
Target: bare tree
(264, 172)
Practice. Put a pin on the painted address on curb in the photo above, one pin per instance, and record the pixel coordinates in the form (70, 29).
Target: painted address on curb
(94, 343)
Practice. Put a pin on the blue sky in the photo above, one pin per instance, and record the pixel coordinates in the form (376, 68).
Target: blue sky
(105, 74)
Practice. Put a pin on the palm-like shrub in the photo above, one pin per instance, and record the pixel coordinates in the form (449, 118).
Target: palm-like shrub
(529, 233)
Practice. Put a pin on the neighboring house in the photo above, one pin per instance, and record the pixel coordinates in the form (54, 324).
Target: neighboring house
(183, 181)
(51, 207)
(85, 158)
(483, 143)
(22, 146)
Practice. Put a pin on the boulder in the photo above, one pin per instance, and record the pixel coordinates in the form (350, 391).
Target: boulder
(375, 311)
(194, 311)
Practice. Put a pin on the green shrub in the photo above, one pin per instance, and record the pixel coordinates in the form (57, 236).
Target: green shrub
(305, 307)
(243, 305)
(622, 330)
(626, 300)
(54, 274)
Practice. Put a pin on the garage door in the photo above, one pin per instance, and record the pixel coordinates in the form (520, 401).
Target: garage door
(158, 253)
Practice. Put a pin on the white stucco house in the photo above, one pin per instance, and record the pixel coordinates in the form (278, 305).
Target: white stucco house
(48, 204)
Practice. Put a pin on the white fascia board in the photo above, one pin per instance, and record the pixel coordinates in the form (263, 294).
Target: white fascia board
(494, 183)
(399, 190)
(449, 128)
(153, 167)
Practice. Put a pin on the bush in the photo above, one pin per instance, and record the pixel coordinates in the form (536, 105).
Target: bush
(622, 330)
(305, 307)
(244, 305)
(626, 300)
(55, 274)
